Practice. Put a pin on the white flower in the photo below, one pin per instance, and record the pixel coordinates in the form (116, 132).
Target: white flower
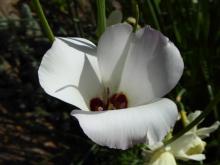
(127, 71)
(190, 146)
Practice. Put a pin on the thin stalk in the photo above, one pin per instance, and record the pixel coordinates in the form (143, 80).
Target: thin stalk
(211, 94)
(183, 115)
(180, 95)
(43, 20)
(182, 108)
(101, 25)
(137, 15)
(195, 122)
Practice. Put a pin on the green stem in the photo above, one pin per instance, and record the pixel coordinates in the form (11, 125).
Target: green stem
(136, 17)
(101, 25)
(43, 20)
(195, 122)
(156, 22)
(182, 108)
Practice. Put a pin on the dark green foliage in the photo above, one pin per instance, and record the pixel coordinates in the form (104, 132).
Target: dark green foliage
(37, 129)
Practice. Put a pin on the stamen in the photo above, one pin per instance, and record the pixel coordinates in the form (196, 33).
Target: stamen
(116, 101)
(96, 104)
(119, 101)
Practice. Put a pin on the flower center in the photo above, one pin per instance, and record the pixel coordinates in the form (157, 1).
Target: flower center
(116, 101)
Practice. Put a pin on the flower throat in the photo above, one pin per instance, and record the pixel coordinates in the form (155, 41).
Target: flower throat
(116, 101)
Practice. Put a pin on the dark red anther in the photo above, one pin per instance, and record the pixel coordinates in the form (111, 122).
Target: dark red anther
(119, 101)
(96, 104)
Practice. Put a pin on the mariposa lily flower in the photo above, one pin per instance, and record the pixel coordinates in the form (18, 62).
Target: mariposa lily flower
(118, 85)
(190, 146)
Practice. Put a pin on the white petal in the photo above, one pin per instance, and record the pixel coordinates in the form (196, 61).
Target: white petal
(112, 51)
(87, 47)
(192, 116)
(152, 68)
(188, 146)
(205, 131)
(197, 157)
(123, 128)
(68, 73)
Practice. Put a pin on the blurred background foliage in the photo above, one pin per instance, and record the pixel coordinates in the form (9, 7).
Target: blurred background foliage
(37, 129)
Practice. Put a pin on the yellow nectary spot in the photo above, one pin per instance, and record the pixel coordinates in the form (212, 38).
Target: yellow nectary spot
(197, 149)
